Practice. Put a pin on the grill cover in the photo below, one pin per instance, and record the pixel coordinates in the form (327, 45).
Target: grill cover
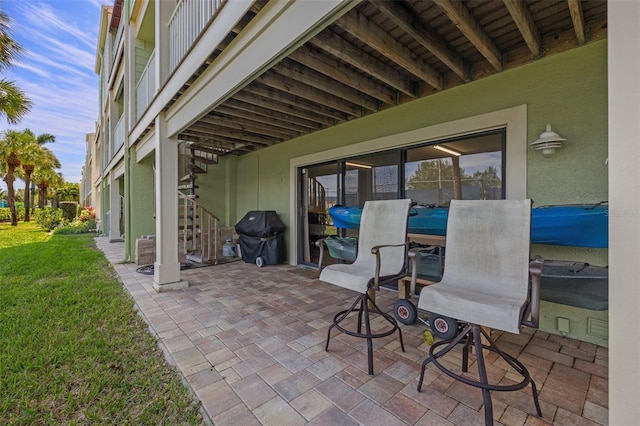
(261, 234)
(260, 223)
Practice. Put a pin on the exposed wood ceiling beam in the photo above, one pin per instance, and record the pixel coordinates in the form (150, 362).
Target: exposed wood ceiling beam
(524, 21)
(411, 24)
(368, 32)
(264, 119)
(575, 8)
(304, 91)
(273, 110)
(334, 69)
(341, 49)
(213, 142)
(305, 75)
(218, 120)
(270, 98)
(211, 132)
(458, 13)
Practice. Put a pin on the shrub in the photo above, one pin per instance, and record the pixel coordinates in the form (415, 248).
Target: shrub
(75, 227)
(48, 218)
(69, 209)
(5, 214)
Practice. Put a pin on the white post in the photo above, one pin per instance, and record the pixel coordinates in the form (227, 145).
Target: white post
(166, 274)
(624, 209)
(114, 202)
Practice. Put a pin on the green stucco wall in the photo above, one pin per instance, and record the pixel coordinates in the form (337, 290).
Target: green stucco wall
(568, 90)
(141, 190)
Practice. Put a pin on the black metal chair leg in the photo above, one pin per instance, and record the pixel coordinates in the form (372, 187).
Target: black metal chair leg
(482, 374)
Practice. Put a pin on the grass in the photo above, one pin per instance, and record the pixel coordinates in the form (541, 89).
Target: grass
(72, 348)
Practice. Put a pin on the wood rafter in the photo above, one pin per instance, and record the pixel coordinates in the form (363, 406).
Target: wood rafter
(458, 13)
(261, 95)
(277, 123)
(577, 16)
(410, 23)
(338, 47)
(270, 112)
(278, 81)
(306, 75)
(335, 70)
(524, 21)
(234, 123)
(368, 32)
(237, 135)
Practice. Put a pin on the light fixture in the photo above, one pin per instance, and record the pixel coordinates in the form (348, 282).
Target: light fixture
(447, 150)
(548, 142)
(359, 165)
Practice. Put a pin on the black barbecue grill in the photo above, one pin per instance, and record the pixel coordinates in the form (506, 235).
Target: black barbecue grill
(261, 234)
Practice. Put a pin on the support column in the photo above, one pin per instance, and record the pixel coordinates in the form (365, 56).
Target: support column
(114, 208)
(624, 211)
(166, 275)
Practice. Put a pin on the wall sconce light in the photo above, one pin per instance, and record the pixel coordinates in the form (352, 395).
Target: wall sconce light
(548, 142)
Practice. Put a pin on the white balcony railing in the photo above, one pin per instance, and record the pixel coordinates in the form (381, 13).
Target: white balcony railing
(187, 22)
(118, 136)
(146, 87)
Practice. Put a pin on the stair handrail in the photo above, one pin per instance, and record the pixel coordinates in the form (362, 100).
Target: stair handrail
(191, 203)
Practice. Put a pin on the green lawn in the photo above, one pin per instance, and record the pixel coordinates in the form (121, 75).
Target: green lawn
(72, 348)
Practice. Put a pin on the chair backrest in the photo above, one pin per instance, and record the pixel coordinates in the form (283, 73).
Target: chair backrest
(487, 246)
(384, 222)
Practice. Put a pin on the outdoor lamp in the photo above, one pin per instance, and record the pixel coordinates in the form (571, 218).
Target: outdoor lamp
(548, 142)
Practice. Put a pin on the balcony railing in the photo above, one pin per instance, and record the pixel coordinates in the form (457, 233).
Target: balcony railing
(118, 136)
(187, 22)
(146, 88)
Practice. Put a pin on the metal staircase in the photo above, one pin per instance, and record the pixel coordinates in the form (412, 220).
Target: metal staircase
(199, 227)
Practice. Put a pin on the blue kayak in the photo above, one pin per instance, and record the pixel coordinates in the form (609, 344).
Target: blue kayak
(576, 225)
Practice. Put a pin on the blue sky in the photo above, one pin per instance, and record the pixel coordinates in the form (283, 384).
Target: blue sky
(57, 73)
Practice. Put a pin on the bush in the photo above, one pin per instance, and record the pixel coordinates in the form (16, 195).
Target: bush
(5, 214)
(48, 218)
(75, 227)
(69, 209)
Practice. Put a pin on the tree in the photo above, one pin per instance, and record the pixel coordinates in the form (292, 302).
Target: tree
(36, 157)
(437, 175)
(14, 104)
(488, 182)
(69, 192)
(46, 179)
(12, 145)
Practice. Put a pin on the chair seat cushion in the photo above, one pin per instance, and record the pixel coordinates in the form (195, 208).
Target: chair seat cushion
(488, 310)
(355, 276)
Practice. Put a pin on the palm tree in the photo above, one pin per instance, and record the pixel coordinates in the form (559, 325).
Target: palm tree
(37, 156)
(14, 104)
(12, 145)
(46, 179)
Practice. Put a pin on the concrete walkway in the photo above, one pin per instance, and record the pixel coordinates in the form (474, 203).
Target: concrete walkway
(250, 341)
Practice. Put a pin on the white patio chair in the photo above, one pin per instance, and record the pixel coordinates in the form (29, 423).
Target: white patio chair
(382, 258)
(488, 281)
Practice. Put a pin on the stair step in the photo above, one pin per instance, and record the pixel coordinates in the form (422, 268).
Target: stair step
(196, 169)
(188, 177)
(204, 160)
(187, 186)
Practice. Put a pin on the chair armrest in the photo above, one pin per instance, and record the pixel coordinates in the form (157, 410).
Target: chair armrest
(533, 310)
(414, 265)
(376, 252)
(320, 244)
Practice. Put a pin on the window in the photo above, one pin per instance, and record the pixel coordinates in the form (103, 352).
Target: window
(468, 168)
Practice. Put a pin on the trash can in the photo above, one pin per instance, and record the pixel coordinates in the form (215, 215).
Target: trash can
(261, 235)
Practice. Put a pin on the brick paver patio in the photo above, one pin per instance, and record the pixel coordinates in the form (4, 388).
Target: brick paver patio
(250, 341)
